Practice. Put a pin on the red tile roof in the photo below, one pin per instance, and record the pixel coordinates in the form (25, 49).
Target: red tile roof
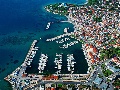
(97, 59)
(93, 61)
(99, 42)
(87, 44)
(50, 77)
(115, 59)
(95, 50)
(91, 46)
(91, 55)
(52, 88)
(48, 89)
(23, 75)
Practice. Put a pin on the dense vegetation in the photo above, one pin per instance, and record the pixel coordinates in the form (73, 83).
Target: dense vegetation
(107, 72)
(93, 2)
(97, 19)
(110, 53)
(116, 83)
(59, 8)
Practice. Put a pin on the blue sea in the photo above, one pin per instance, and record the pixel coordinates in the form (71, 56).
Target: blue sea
(22, 21)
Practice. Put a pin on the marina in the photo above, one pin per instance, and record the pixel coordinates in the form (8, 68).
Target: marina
(31, 54)
(32, 23)
(60, 62)
(67, 65)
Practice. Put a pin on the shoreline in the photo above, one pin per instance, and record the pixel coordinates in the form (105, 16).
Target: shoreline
(9, 84)
(28, 51)
(89, 66)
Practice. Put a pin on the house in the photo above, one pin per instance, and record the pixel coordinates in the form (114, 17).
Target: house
(95, 50)
(51, 77)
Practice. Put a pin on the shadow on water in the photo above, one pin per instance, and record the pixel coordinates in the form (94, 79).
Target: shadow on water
(81, 65)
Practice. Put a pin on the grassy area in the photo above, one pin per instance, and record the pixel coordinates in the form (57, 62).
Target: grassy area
(53, 85)
(93, 67)
(109, 53)
(107, 72)
(93, 2)
(60, 85)
(116, 82)
(72, 36)
(97, 19)
(117, 67)
(60, 8)
(103, 66)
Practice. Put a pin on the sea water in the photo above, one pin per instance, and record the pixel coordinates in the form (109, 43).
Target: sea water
(22, 21)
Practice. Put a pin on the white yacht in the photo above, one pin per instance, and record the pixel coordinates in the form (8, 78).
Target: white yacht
(42, 62)
(58, 62)
(71, 62)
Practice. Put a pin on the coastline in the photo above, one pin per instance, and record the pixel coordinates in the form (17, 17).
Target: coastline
(83, 48)
(9, 84)
(86, 37)
(20, 65)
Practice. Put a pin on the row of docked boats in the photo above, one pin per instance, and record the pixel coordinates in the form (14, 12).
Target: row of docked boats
(58, 63)
(31, 54)
(70, 63)
(58, 37)
(63, 40)
(42, 62)
(68, 44)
